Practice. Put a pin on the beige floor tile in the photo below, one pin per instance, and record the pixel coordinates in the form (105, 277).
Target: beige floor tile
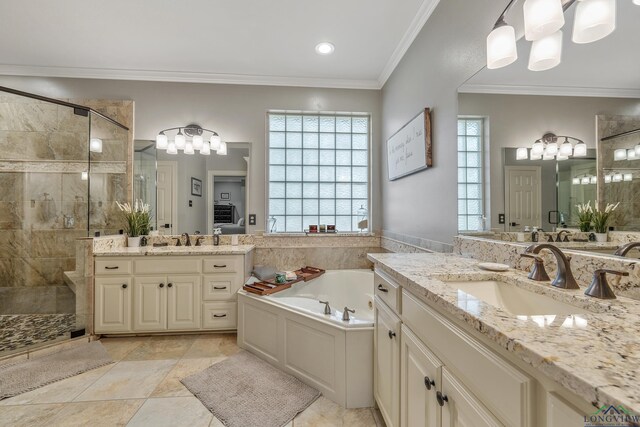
(377, 416)
(104, 413)
(162, 348)
(128, 380)
(325, 413)
(171, 385)
(171, 412)
(28, 415)
(61, 391)
(213, 345)
(217, 423)
(119, 348)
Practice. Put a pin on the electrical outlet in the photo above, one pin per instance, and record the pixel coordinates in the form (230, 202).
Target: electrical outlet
(252, 219)
(501, 219)
(190, 203)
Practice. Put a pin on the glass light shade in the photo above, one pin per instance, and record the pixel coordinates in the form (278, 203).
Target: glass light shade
(585, 180)
(636, 2)
(222, 151)
(180, 141)
(594, 20)
(206, 148)
(501, 47)
(593, 180)
(566, 149)
(546, 52)
(620, 154)
(171, 148)
(542, 18)
(197, 142)
(188, 148)
(560, 157)
(95, 145)
(522, 153)
(580, 150)
(631, 154)
(575, 181)
(547, 156)
(215, 142)
(627, 177)
(617, 177)
(637, 147)
(607, 179)
(537, 148)
(162, 142)
(552, 148)
(84, 176)
(535, 156)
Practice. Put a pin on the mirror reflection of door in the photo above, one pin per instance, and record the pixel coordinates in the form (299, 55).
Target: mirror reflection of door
(166, 197)
(522, 196)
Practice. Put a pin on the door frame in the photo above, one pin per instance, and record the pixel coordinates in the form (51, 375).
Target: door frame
(210, 193)
(507, 187)
(173, 165)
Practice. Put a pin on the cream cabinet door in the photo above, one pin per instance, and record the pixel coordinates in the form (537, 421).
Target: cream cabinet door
(387, 363)
(420, 374)
(150, 303)
(183, 300)
(112, 304)
(459, 407)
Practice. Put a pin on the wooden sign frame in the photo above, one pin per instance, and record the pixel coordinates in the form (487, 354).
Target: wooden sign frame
(398, 141)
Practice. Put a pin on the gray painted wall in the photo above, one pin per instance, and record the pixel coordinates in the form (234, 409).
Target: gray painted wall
(236, 112)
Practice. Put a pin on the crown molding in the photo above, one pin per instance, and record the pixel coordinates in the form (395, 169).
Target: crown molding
(550, 91)
(185, 77)
(423, 14)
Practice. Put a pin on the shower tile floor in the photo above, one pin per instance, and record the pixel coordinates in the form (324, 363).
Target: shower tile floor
(22, 330)
(142, 388)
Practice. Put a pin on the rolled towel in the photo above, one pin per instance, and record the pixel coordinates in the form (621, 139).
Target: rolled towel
(264, 272)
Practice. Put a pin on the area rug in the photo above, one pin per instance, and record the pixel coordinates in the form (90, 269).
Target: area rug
(27, 375)
(244, 391)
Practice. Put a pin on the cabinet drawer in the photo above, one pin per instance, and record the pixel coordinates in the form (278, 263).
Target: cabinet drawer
(506, 391)
(219, 315)
(221, 287)
(167, 265)
(110, 266)
(387, 290)
(223, 264)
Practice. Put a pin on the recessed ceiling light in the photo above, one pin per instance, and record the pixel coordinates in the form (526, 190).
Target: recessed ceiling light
(325, 48)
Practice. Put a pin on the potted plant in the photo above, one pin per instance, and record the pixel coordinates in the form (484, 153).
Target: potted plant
(601, 221)
(137, 221)
(585, 216)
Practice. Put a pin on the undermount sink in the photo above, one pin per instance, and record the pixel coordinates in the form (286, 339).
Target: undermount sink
(510, 298)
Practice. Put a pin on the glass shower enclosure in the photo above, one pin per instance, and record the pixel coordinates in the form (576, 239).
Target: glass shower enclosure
(62, 167)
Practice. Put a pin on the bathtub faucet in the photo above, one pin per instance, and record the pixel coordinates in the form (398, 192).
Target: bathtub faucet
(327, 308)
(345, 314)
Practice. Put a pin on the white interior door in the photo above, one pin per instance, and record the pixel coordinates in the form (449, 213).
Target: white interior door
(522, 197)
(166, 197)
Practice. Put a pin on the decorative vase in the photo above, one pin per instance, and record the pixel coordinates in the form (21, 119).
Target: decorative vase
(133, 242)
(601, 237)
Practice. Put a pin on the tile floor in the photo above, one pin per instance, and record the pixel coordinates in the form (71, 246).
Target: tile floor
(143, 389)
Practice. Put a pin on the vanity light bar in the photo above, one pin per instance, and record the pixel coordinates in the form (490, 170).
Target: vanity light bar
(548, 148)
(190, 146)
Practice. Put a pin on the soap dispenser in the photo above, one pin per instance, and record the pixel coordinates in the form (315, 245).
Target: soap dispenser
(216, 236)
(534, 234)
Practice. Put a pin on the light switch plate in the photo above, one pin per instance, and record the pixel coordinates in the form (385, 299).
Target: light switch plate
(252, 219)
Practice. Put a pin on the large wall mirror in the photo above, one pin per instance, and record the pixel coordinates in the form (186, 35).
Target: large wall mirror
(194, 193)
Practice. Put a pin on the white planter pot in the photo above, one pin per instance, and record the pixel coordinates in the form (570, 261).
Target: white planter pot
(601, 237)
(133, 242)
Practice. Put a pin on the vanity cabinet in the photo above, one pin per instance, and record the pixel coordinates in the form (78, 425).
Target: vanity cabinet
(168, 293)
(387, 363)
(460, 408)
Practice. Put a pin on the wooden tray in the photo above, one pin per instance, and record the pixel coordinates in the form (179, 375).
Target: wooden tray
(268, 287)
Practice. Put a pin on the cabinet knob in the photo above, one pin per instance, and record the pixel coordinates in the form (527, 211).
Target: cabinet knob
(124, 286)
(428, 383)
(391, 334)
(162, 285)
(169, 285)
(441, 398)
(382, 288)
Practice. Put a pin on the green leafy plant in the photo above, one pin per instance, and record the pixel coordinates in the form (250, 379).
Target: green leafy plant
(601, 218)
(585, 216)
(137, 218)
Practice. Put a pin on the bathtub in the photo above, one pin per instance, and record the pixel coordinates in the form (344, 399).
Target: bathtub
(290, 330)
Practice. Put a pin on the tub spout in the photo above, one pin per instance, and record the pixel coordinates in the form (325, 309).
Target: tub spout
(327, 308)
(345, 314)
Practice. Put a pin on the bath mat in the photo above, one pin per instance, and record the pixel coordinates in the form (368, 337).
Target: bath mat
(20, 377)
(244, 391)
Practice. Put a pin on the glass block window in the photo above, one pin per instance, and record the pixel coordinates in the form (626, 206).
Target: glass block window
(470, 173)
(318, 170)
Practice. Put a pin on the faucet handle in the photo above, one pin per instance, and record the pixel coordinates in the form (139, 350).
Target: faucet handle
(599, 287)
(345, 314)
(178, 241)
(538, 273)
(327, 307)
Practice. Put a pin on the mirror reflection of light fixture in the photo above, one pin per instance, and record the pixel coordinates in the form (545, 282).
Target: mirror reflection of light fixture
(162, 142)
(620, 154)
(576, 181)
(627, 177)
(594, 20)
(95, 145)
(637, 147)
(84, 176)
(631, 154)
(585, 180)
(222, 151)
(617, 177)
(593, 180)
(580, 150)
(548, 148)
(561, 158)
(171, 148)
(607, 179)
(189, 139)
(522, 153)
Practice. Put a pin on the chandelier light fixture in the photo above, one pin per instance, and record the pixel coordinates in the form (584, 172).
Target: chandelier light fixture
(190, 138)
(553, 147)
(543, 21)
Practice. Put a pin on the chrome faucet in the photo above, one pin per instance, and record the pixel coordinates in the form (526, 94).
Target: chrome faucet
(564, 278)
(188, 242)
(624, 249)
(599, 287)
(327, 308)
(345, 314)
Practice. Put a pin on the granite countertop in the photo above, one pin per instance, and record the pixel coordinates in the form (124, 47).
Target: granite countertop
(594, 355)
(176, 250)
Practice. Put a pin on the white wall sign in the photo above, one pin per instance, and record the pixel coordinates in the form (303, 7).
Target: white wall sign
(409, 149)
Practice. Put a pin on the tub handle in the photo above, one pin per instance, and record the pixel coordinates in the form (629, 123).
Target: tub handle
(327, 308)
(382, 288)
(345, 314)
